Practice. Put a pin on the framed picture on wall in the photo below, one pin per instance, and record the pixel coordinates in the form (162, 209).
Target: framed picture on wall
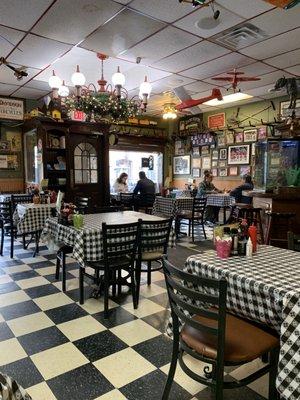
(196, 172)
(262, 133)
(196, 163)
(245, 170)
(229, 138)
(221, 140)
(214, 155)
(223, 154)
(214, 171)
(214, 163)
(205, 150)
(196, 151)
(182, 165)
(233, 171)
(4, 145)
(222, 172)
(239, 137)
(285, 111)
(239, 154)
(222, 163)
(250, 135)
(206, 162)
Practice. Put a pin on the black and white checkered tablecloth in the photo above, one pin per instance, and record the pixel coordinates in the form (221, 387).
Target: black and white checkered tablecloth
(87, 241)
(5, 197)
(169, 207)
(263, 288)
(31, 217)
(220, 200)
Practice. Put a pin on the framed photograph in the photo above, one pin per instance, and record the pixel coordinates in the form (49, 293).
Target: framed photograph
(223, 154)
(205, 150)
(262, 133)
(245, 170)
(214, 171)
(196, 151)
(4, 145)
(221, 140)
(250, 135)
(15, 140)
(196, 163)
(286, 112)
(222, 172)
(196, 173)
(182, 165)
(214, 155)
(239, 137)
(214, 163)
(206, 162)
(233, 171)
(239, 154)
(181, 125)
(222, 163)
(229, 138)
(180, 151)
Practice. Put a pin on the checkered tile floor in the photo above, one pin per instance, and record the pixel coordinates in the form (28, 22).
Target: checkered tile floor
(57, 349)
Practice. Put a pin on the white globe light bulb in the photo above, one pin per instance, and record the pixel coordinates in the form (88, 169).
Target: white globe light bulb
(54, 81)
(118, 79)
(78, 79)
(63, 90)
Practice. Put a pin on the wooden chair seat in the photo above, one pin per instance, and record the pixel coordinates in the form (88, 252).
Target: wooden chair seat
(244, 341)
(152, 256)
(189, 215)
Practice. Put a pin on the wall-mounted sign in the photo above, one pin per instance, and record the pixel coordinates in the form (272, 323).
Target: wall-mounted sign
(77, 115)
(216, 121)
(11, 108)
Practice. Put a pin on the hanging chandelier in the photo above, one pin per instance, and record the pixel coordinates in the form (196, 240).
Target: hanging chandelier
(109, 101)
(170, 111)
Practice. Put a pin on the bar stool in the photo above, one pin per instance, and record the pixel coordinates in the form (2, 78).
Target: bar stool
(251, 214)
(278, 225)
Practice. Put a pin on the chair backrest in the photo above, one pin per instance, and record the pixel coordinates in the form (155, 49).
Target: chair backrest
(199, 204)
(154, 236)
(6, 212)
(126, 198)
(106, 209)
(293, 241)
(120, 242)
(20, 198)
(193, 296)
(82, 204)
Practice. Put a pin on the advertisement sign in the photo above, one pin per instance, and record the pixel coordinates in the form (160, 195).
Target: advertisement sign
(11, 108)
(216, 121)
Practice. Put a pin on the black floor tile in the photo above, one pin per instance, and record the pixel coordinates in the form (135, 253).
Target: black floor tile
(152, 385)
(117, 316)
(28, 254)
(24, 275)
(243, 393)
(44, 339)
(40, 291)
(24, 372)
(11, 263)
(51, 278)
(66, 313)
(161, 299)
(158, 320)
(42, 264)
(8, 287)
(19, 310)
(73, 294)
(100, 345)
(84, 383)
(5, 332)
(50, 256)
(157, 350)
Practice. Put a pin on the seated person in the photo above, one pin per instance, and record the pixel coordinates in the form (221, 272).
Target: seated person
(146, 189)
(121, 183)
(237, 193)
(207, 187)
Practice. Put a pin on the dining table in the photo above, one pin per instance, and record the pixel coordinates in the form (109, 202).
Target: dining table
(171, 207)
(222, 200)
(87, 240)
(263, 288)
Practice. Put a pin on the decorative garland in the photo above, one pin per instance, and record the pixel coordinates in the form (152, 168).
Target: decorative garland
(99, 106)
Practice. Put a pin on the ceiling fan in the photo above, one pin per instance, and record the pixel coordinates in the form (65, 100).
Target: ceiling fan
(235, 78)
(19, 73)
(188, 102)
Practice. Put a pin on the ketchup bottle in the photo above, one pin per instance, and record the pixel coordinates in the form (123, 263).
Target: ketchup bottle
(252, 230)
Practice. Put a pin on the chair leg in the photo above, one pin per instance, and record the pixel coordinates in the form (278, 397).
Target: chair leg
(63, 272)
(274, 356)
(219, 384)
(57, 266)
(193, 231)
(133, 289)
(138, 279)
(203, 228)
(119, 282)
(2, 241)
(189, 227)
(149, 273)
(81, 286)
(24, 241)
(114, 286)
(11, 244)
(106, 294)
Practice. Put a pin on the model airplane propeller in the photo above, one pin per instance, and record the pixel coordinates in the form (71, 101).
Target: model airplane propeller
(235, 78)
(190, 103)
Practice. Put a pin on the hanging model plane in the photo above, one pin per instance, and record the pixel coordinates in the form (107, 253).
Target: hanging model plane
(235, 78)
(189, 103)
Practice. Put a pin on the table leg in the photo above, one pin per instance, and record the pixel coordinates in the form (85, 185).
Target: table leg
(224, 215)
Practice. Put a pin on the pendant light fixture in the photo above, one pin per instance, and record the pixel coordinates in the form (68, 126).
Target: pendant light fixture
(145, 90)
(55, 82)
(169, 111)
(118, 80)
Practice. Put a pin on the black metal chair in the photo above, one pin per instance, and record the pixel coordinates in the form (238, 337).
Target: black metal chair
(194, 217)
(7, 225)
(152, 247)
(61, 255)
(211, 335)
(119, 252)
(21, 198)
(106, 209)
(127, 200)
(293, 241)
(82, 204)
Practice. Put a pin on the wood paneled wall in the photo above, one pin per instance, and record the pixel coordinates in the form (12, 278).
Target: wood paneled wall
(11, 185)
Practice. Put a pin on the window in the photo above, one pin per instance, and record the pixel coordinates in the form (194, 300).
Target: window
(85, 164)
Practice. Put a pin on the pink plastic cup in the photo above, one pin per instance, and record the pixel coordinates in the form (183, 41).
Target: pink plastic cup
(223, 248)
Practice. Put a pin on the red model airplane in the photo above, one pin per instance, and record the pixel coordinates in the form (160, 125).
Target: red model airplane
(215, 94)
(235, 78)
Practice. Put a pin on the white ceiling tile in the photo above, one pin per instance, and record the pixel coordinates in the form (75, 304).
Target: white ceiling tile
(268, 79)
(246, 8)
(256, 69)
(166, 10)
(72, 22)
(225, 20)
(136, 75)
(169, 83)
(122, 32)
(218, 66)
(38, 52)
(278, 20)
(171, 40)
(8, 36)
(6, 90)
(36, 84)
(7, 75)
(199, 87)
(274, 46)
(261, 91)
(29, 93)
(22, 14)
(285, 60)
(199, 53)
(294, 70)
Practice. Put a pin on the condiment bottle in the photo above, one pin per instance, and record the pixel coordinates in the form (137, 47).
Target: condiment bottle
(249, 248)
(235, 239)
(252, 230)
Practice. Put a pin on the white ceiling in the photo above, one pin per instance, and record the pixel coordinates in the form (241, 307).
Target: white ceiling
(59, 34)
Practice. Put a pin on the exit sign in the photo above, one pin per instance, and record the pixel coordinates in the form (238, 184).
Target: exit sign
(77, 115)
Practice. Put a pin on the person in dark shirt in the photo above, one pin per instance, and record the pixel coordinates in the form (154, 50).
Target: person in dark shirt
(206, 187)
(237, 193)
(146, 189)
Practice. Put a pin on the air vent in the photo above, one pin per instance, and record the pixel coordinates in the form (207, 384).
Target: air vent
(240, 36)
